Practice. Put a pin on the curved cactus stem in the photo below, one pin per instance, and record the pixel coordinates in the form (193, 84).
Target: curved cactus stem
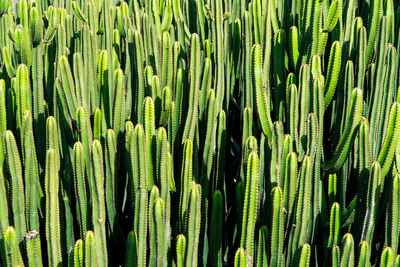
(349, 132)
(333, 72)
(391, 141)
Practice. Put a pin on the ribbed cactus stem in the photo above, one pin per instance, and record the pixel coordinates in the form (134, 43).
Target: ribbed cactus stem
(90, 249)
(180, 250)
(12, 252)
(240, 258)
(16, 184)
(33, 248)
(250, 206)
(98, 205)
(80, 186)
(53, 230)
(193, 224)
(78, 254)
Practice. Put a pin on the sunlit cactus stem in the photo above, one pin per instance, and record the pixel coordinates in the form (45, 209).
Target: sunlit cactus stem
(98, 205)
(33, 248)
(16, 184)
(250, 206)
(180, 250)
(13, 254)
(80, 186)
(240, 258)
(90, 251)
(78, 253)
(193, 224)
(53, 230)
(199, 133)
(372, 202)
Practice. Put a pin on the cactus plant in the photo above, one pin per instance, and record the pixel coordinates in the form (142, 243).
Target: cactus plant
(199, 133)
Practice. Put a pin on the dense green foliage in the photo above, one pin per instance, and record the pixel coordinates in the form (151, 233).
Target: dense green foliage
(199, 133)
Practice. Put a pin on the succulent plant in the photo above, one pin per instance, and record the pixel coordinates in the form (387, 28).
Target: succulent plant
(199, 133)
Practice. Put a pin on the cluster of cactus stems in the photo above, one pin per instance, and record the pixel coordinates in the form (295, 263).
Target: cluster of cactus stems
(199, 133)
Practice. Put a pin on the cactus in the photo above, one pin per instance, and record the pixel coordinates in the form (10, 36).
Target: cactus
(53, 230)
(347, 250)
(4, 213)
(216, 230)
(192, 115)
(17, 185)
(277, 228)
(111, 182)
(193, 224)
(372, 201)
(141, 224)
(180, 250)
(333, 15)
(98, 206)
(387, 257)
(364, 253)
(149, 132)
(33, 248)
(262, 256)
(393, 227)
(334, 225)
(131, 250)
(80, 184)
(154, 195)
(298, 235)
(305, 256)
(349, 133)
(240, 258)
(12, 250)
(33, 191)
(250, 205)
(333, 72)
(335, 256)
(159, 218)
(186, 177)
(210, 133)
(90, 249)
(78, 253)
(137, 148)
(119, 103)
(261, 97)
(391, 140)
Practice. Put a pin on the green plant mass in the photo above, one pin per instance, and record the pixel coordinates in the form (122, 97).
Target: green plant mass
(196, 133)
